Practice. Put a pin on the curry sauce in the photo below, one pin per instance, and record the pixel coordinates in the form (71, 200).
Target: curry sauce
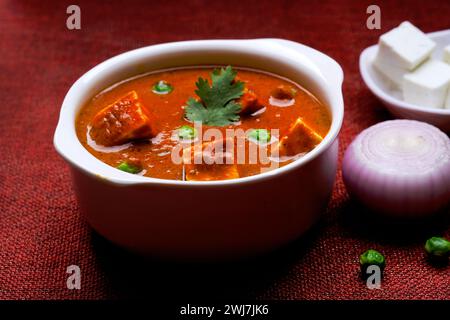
(147, 121)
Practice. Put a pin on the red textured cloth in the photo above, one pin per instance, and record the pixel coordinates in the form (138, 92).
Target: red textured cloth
(41, 230)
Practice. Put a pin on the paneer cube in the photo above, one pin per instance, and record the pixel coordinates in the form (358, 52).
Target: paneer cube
(299, 139)
(428, 85)
(447, 101)
(122, 121)
(249, 102)
(391, 72)
(401, 50)
(406, 46)
(210, 161)
(447, 54)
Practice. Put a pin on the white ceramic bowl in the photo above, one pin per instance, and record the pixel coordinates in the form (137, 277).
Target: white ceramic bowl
(392, 96)
(206, 220)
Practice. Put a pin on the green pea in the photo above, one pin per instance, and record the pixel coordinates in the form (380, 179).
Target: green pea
(162, 87)
(187, 133)
(438, 247)
(124, 166)
(369, 258)
(260, 135)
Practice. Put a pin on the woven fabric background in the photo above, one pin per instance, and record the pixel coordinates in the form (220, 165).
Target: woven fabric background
(41, 230)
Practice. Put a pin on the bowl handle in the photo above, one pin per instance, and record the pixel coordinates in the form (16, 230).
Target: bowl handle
(330, 69)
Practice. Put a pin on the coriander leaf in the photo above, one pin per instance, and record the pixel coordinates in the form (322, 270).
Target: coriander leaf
(195, 111)
(217, 105)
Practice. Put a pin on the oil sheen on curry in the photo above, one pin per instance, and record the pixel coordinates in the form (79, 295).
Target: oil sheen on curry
(202, 123)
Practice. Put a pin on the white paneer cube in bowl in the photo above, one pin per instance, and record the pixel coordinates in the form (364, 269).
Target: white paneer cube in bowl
(402, 81)
(428, 84)
(401, 50)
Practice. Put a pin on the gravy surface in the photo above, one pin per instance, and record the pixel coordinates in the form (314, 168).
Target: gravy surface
(168, 109)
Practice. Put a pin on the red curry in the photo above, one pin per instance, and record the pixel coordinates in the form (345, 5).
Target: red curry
(138, 124)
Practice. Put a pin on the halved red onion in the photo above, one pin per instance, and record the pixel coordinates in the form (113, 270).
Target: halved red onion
(399, 167)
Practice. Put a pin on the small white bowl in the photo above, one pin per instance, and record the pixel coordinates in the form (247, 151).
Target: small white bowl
(392, 97)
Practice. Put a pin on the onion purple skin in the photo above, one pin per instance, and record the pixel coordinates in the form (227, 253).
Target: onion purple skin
(410, 196)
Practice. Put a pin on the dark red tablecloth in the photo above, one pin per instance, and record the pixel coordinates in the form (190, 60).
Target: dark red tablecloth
(41, 230)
